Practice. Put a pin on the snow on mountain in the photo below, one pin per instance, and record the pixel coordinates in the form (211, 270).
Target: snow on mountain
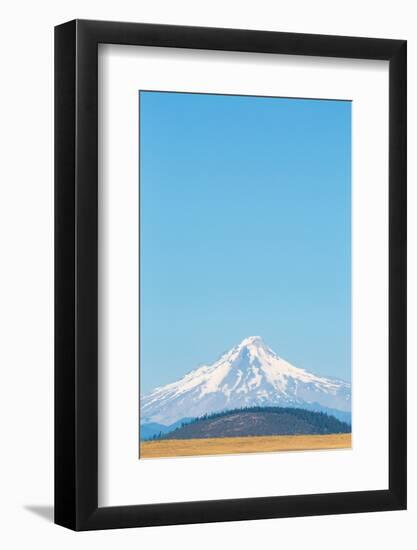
(249, 374)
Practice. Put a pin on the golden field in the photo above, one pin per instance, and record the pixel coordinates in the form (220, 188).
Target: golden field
(235, 445)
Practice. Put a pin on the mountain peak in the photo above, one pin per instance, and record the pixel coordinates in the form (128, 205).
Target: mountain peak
(254, 345)
(251, 340)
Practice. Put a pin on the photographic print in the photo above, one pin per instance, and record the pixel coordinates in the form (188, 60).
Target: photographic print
(245, 274)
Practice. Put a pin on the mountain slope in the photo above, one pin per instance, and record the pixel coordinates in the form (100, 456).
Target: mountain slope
(259, 421)
(248, 375)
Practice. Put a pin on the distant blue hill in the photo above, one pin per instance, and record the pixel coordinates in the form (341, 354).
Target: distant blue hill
(344, 416)
(152, 429)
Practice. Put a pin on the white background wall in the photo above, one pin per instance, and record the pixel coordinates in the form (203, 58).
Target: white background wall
(26, 273)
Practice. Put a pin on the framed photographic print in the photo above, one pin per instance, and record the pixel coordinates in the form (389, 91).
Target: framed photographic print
(230, 252)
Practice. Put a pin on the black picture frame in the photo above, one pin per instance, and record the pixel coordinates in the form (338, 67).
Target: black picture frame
(76, 274)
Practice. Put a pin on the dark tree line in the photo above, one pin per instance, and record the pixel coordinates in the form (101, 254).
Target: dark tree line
(260, 421)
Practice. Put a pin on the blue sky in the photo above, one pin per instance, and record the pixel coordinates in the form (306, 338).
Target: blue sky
(244, 230)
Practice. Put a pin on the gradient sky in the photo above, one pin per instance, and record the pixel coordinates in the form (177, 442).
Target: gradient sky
(244, 230)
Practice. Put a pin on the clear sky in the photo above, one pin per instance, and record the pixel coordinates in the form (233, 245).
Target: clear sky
(245, 207)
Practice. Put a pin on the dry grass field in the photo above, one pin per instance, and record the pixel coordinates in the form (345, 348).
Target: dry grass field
(235, 445)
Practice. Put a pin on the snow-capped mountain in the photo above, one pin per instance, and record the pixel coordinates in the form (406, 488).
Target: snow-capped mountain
(248, 375)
